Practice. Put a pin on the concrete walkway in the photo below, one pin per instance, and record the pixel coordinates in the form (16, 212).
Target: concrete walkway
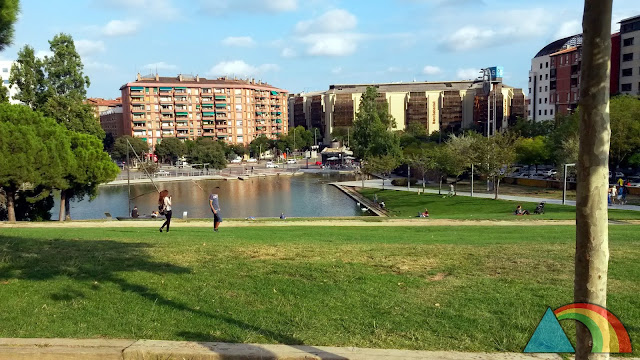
(94, 349)
(377, 184)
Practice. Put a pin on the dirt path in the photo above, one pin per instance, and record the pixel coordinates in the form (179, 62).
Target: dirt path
(258, 223)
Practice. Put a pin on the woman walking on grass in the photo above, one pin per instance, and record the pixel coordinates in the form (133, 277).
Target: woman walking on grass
(164, 203)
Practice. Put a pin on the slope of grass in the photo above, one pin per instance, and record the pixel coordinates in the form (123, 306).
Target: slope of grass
(439, 288)
(406, 204)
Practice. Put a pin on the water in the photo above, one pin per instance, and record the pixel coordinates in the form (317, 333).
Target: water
(297, 196)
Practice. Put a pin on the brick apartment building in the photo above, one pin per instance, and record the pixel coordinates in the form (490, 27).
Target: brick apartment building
(188, 107)
(436, 105)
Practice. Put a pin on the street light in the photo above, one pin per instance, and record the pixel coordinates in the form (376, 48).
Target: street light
(564, 183)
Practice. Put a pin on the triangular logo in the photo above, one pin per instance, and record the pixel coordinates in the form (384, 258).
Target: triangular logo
(549, 337)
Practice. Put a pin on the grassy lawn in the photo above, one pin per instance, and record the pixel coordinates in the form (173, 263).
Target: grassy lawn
(406, 205)
(439, 288)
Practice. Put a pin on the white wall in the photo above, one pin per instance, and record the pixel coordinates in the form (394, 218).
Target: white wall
(5, 71)
(539, 90)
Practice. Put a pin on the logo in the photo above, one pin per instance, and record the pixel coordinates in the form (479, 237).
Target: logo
(607, 332)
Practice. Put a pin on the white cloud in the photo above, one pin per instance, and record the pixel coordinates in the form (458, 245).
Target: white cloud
(288, 53)
(42, 53)
(331, 44)
(569, 28)
(394, 69)
(90, 47)
(96, 65)
(239, 41)
(468, 74)
(160, 66)
(218, 7)
(332, 21)
(336, 70)
(240, 68)
(515, 25)
(120, 27)
(154, 9)
(431, 70)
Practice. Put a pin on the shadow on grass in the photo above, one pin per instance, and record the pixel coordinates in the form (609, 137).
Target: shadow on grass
(101, 261)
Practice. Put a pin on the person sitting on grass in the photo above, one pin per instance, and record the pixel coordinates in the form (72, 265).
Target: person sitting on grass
(424, 214)
(521, 211)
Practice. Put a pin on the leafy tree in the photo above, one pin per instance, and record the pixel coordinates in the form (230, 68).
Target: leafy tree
(342, 134)
(564, 133)
(235, 150)
(207, 151)
(27, 73)
(108, 142)
(372, 135)
(73, 114)
(8, 16)
(31, 205)
(171, 148)
(624, 113)
(495, 156)
(423, 161)
(529, 128)
(383, 165)
(149, 167)
(4, 94)
(119, 151)
(90, 168)
(533, 151)
(259, 145)
(34, 150)
(458, 153)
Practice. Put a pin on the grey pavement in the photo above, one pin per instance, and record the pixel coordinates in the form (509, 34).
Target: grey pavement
(377, 184)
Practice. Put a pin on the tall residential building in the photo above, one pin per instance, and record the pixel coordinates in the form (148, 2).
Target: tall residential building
(630, 55)
(101, 105)
(188, 107)
(5, 72)
(436, 105)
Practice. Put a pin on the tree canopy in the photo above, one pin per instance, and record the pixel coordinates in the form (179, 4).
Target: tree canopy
(208, 151)
(372, 134)
(171, 148)
(8, 16)
(119, 151)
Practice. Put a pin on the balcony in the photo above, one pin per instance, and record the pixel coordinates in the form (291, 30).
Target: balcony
(221, 97)
(207, 91)
(181, 100)
(166, 90)
(138, 108)
(208, 125)
(182, 125)
(183, 134)
(166, 100)
(208, 134)
(167, 125)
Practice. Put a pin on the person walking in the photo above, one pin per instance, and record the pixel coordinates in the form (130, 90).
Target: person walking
(214, 204)
(164, 204)
(614, 194)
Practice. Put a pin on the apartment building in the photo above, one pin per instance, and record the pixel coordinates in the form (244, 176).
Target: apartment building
(111, 121)
(5, 72)
(188, 107)
(436, 105)
(630, 56)
(101, 105)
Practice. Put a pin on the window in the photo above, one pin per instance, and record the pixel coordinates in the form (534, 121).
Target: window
(155, 107)
(546, 76)
(529, 90)
(529, 80)
(627, 57)
(545, 100)
(539, 112)
(148, 107)
(146, 90)
(547, 64)
(540, 65)
(546, 88)
(540, 76)
(566, 59)
(540, 101)
(627, 72)
(625, 87)
(540, 88)
(5, 70)
(6, 82)
(551, 112)
(545, 112)
(560, 60)
(239, 123)
(625, 42)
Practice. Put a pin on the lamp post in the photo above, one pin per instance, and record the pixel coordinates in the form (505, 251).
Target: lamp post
(564, 183)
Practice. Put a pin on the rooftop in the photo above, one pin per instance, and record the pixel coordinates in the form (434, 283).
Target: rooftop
(104, 102)
(569, 41)
(568, 50)
(183, 79)
(408, 86)
(637, 17)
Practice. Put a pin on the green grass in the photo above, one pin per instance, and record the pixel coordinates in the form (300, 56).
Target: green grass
(404, 204)
(438, 288)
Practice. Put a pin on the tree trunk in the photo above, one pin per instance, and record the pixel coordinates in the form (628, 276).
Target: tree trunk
(440, 186)
(496, 187)
(423, 184)
(67, 207)
(11, 208)
(63, 203)
(592, 237)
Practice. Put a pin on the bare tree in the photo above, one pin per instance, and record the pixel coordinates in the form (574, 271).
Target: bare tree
(592, 237)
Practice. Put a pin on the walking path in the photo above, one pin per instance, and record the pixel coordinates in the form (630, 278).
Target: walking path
(377, 184)
(100, 349)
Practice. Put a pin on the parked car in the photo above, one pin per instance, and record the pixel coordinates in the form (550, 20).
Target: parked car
(252, 160)
(236, 161)
(271, 165)
(291, 161)
(550, 173)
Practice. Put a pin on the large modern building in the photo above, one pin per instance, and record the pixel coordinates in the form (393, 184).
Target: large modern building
(5, 72)
(188, 107)
(111, 121)
(630, 56)
(436, 105)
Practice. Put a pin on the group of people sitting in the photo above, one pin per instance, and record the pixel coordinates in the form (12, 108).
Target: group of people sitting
(135, 214)
(520, 211)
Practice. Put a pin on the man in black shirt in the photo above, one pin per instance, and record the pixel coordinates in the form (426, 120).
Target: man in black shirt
(215, 209)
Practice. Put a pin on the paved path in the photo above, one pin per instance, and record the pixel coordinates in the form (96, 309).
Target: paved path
(100, 349)
(377, 184)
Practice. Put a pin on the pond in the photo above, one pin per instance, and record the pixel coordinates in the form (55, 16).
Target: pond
(297, 196)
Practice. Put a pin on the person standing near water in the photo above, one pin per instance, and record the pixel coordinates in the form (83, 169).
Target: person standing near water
(215, 208)
(164, 203)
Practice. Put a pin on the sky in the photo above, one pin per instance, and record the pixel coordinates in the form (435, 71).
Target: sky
(302, 45)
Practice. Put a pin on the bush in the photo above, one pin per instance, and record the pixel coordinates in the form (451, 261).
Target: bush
(151, 167)
(402, 182)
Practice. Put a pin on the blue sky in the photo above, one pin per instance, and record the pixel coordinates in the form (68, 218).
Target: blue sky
(302, 45)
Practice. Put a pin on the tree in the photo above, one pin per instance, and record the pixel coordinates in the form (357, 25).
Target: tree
(120, 147)
(423, 161)
(108, 142)
(27, 73)
(533, 151)
(624, 113)
(380, 165)
(4, 94)
(529, 128)
(342, 134)
(207, 151)
(171, 148)
(259, 145)
(495, 156)
(31, 205)
(458, 150)
(34, 151)
(592, 237)
(8, 15)
(372, 135)
(234, 151)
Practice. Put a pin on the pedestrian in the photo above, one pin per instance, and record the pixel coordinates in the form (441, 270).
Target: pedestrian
(452, 190)
(134, 212)
(622, 194)
(614, 194)
(214, 204)
(164, 204)
(620, 182)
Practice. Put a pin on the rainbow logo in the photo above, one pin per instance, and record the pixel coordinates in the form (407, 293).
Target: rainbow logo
(607, 332)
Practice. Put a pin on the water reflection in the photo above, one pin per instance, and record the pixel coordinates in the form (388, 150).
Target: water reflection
(299, 196)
